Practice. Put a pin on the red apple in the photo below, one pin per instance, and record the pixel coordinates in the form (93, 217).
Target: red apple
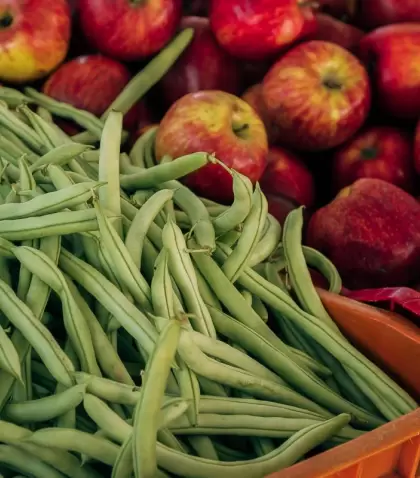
(256, 29)
(381, 152)
(318, 94)
(129, 29)
(417, 148)
(220, 123)
(375, 13)
(253, 96)
(203, 66)
(335, 31)
(34, 38)
(91, 82)
(288, 176)
(371, 232)
(279, 206)
(393, 56)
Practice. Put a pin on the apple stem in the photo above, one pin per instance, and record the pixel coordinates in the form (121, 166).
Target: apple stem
(240, 129)
(136, 2)
(6, 20)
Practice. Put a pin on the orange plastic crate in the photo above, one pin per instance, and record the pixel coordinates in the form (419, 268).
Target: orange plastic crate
(393, 450)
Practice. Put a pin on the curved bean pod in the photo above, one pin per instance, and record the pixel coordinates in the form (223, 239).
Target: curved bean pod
(60, 155)
(268, 242)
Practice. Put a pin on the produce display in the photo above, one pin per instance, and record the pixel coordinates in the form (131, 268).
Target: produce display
(165, 220)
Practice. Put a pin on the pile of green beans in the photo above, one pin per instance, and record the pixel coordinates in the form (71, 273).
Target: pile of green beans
(148, 332)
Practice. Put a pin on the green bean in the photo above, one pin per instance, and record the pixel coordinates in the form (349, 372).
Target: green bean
(109, 167)
(36, 334)
(125, 269)
(316, 259)
(130, 317)
(124, 463)
(108, 358)
(299, 275)
(21, 130)
(203, 447)
(109, 390)
(74, 321)
(147, 411)
(155, 175)
(251, 233)
(171, 410)
(252, 426)
(98, 411)
(55, 224)
(240, 379)
(49, 203)
(47, 408)
(149, 151)
(329, 340)
(60, 155)
(13, 97)
(182, 269)
(227, 354)
(137, 151)
(268, 242)
(13, 151)
(89, 121)
(9, 358)
(260, 308)
(151, 73)
(77, 441)
(199, 217)
(229, 454)
(285, 455)
(27, 463)
(13, 138)
(229, 219)
(229, 238)
(140, 225)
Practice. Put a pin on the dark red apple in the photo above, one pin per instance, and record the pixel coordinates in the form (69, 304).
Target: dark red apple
(375, 13)
(220, 123)
(204, 65)
(279, 206)
(129, 29)
(392, 54)
(253, 96)
(318, 94)
(34, 38)
(256, 29)
(381, 152)
(341, 9)
(91, 82)
(335, 31)
(371, 232)
(287, 175)
(417, 148)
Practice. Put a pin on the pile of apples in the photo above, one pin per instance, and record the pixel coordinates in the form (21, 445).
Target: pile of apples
(317, 100)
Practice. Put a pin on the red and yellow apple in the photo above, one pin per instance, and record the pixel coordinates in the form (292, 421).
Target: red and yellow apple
(92, 82)
(220, 123)
(371, 232)
(392, 54)
(34, 38)
(129, 29)
(253, 96)
(256, 30)
(381, 152)
(318, 94)
(287, 175)
(204, 65)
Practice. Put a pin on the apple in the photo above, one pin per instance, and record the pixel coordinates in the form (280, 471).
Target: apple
(287, 175)
(392, 54)
(417, 148)
(204, 65)
(129, 29)
(34, 38)
(256, 30)
(215, 122)
(91, 82)
(279, 206)
(371, 232)
(375, 13)
(335, 31)
(253, 96)
(381, 152)
(341, 9)
(318, 94)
